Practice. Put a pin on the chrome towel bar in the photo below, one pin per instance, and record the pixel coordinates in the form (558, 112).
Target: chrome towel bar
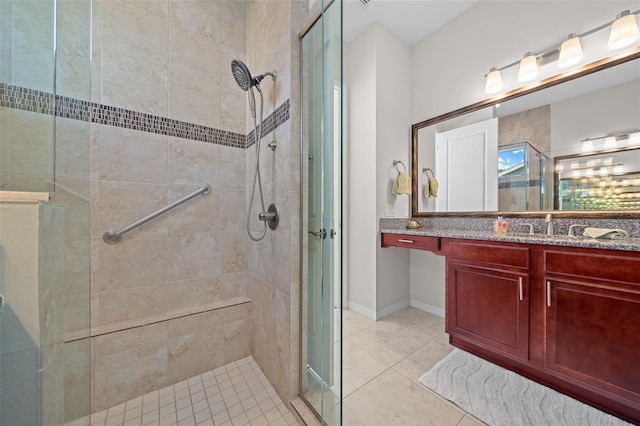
(115, 237)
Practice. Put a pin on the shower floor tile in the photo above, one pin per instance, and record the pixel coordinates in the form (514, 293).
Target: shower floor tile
(234, 394)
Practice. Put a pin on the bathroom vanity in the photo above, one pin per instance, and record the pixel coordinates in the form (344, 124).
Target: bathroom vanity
(563, 311)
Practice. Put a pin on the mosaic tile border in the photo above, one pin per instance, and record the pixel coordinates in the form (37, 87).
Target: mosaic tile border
(22, 98)
(519, 184)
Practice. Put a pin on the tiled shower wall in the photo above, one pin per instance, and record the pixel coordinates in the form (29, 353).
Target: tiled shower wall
(168, 59)
(170, 300)
(273, 263)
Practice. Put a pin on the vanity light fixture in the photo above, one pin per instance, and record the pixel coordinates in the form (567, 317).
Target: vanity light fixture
(528, 68)
(624, 30)
(494, 81)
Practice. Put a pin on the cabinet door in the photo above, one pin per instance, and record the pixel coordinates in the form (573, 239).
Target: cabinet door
(489, 307)
(593, 335)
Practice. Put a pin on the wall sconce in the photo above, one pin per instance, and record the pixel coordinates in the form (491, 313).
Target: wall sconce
(570, 52)
(624, 32)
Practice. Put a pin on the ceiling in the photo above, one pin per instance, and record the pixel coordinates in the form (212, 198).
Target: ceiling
(409, 20)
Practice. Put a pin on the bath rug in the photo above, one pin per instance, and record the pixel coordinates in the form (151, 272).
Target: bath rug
(500, 397)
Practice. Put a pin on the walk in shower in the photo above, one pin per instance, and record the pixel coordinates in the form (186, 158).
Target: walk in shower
(111, 111)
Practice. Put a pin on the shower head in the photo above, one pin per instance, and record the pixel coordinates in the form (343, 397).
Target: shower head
(243, 77)
(241, 74)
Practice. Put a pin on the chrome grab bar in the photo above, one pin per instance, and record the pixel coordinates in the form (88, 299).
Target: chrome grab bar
(115, 237)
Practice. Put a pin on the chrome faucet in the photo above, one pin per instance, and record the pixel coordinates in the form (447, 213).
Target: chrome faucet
(529, 225)
(572, 232)
(549, 223)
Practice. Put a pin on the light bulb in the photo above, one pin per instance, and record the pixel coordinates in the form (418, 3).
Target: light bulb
(494, 81)
(610, 142)
(624, 31)
(570, 52)
(528, 68)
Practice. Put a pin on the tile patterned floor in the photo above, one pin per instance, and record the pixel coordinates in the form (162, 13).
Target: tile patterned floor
(232, 395)
(382, 362)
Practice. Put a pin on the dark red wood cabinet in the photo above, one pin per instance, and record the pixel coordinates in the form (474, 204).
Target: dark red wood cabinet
(567, 317)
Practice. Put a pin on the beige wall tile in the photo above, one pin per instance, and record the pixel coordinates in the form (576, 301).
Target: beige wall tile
(72, 148)
(194, 162)
(200, 17)
(73, 20)
(194, 56)
(234, 25)
(193, 255)
(193, 100)
(195, 353)
(237, 340)
(233, 285)
(31, 137)
(232, 168)
(232, 214)
(233, 252)
(139, 261)
(117, 204)
(194, 323)
(130, 155)
(121, 85)
(124, 375)
(237, 313)
(125, 31)
(73, 194)
(199, 214)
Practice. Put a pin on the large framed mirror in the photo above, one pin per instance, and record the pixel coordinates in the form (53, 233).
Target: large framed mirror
(554, 145)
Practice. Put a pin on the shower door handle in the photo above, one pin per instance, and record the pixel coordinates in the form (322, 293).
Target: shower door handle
(321, 233)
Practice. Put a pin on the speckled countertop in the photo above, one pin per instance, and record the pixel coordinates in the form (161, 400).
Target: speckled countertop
(398, 226)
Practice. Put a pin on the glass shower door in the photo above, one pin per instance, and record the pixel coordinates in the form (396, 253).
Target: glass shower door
(321, 200)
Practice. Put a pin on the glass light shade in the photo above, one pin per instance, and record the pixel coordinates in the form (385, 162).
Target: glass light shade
(528, 68)
(634, 138)
(587, 145)
(624, 31)
(610, 142)
(603, 172)
(494, 82)
(570, 52)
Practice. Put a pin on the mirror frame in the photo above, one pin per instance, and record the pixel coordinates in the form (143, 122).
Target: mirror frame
(602, 64)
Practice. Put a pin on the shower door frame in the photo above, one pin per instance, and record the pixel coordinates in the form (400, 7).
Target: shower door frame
(332, 162)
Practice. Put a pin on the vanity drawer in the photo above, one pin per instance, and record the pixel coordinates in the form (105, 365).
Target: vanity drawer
(617, 267)
(498, 254)
(411, 241)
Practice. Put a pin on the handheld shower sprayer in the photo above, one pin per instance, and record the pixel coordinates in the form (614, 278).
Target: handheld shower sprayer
(243, 77)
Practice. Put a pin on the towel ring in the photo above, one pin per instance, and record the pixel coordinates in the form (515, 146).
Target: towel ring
(427, 170)
(396, 162)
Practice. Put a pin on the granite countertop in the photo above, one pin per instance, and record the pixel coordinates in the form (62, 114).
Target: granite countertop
(628, 244)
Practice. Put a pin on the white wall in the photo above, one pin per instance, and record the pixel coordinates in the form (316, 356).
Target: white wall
(378, 83)
(360, 201)
(595, 114)
(448, 67)
(392, 143)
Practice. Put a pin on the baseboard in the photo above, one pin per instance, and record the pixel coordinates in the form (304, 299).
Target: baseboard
(396, 307)
(362, 310)
(427, 308)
